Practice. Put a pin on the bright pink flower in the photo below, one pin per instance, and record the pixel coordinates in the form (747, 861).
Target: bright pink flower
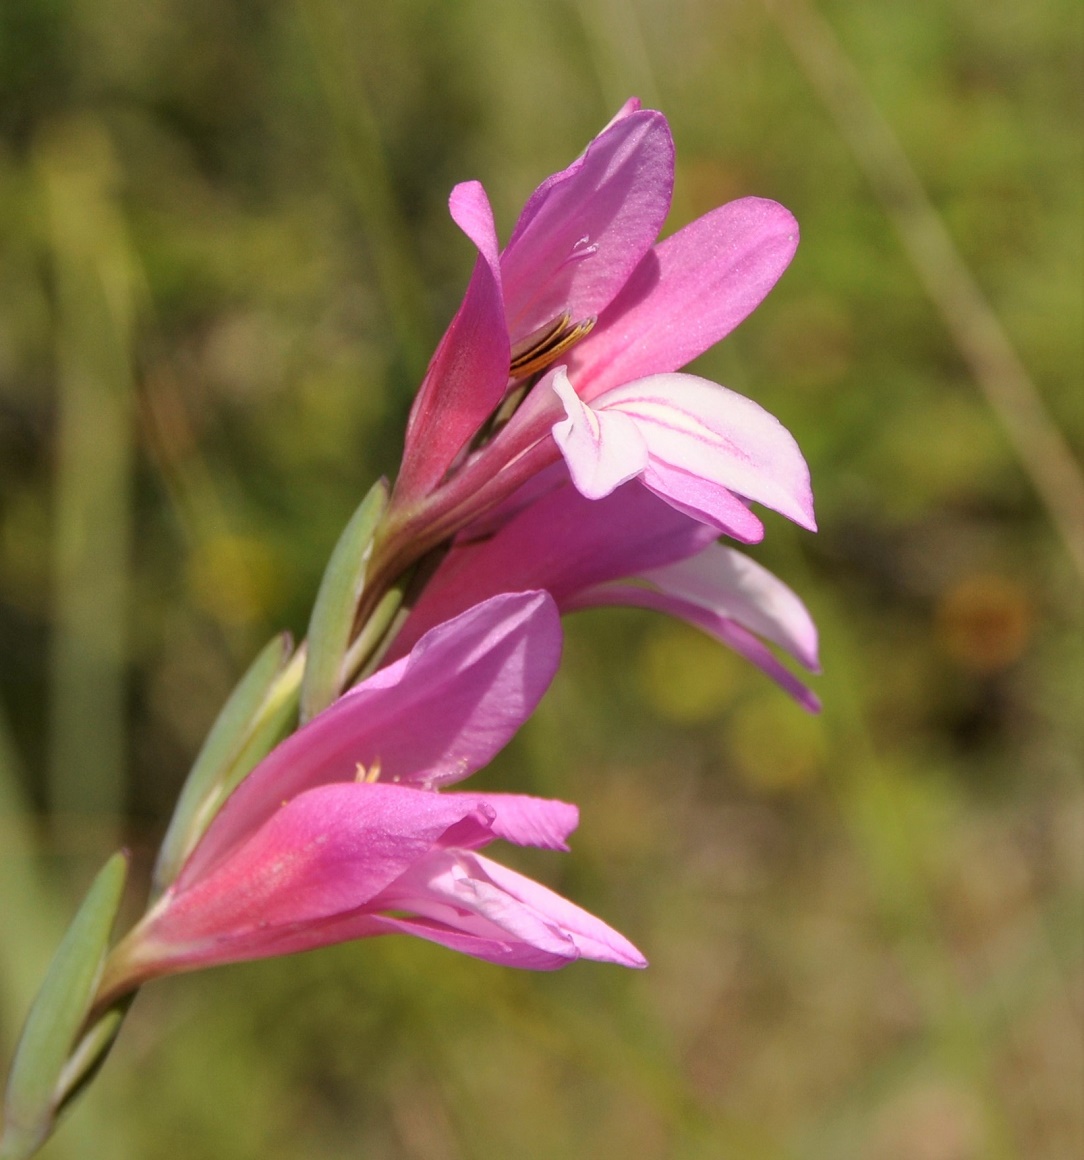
(628, 548)
(339, 834)
(582, 287)
(577, 241)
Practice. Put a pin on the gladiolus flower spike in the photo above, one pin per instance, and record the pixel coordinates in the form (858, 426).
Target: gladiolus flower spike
(556, 458)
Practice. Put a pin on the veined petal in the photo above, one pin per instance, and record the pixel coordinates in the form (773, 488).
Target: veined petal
(430, 719)
(583, 231)
(687, 293)
(732, 585)
(724, 438)
(593, 938)
(469, 371)
(471, 904)
(603, 449)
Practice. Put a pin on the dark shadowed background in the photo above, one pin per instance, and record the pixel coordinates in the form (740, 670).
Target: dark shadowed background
(224, 259)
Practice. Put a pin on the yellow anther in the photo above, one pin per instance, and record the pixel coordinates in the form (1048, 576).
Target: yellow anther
(368, 776)
(537, 351)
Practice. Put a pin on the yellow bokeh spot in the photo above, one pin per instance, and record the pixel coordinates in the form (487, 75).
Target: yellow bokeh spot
(686, 676)
(232, 578)
(773, 745)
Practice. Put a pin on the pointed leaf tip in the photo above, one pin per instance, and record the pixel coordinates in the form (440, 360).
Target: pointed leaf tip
(57, 1015)
(336, 603)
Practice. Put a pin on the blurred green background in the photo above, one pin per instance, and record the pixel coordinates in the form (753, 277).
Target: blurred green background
(225, 258)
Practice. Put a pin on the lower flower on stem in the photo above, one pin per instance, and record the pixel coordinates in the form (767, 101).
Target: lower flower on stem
(352, 860)
(340, 833)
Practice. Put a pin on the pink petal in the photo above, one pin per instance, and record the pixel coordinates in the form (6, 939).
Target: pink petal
(561, 542)
(583, 231)
(492, 947)
(474, 905)
(704, 500)
(321, 855)
(432, 718)
(470, 210)
(593, 938)
(469, 371)
(526, 821)
(689, 292)
(317, 871)
(732, 585)
(720, 436)
(603, 449)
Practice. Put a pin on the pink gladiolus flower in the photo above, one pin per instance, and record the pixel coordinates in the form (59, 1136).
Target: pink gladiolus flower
(628, 548)
(593, 320)
(339, 834)
(578, 239)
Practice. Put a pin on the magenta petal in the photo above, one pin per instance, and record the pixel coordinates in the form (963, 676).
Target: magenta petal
(526, 821)
(583, 231)
(724, 438)
(327, 863)
(432, 718)
(689, 292)
(732, 585)
(562, 542)
(603, 449)
(469, 371)
(470, 210)
(323, 854)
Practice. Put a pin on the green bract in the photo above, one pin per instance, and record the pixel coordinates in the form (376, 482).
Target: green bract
(38, 1084)
(333, 613)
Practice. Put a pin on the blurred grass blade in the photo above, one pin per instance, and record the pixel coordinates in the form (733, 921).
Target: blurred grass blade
(999, 372)
(233, 738)
(93, 302)
(31, 925)
(336, 34)
(57, 1015)
(336, 603)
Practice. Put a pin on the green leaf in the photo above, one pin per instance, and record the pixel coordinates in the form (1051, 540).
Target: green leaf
(57, 1014)
(236, 737)
(336, 603)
